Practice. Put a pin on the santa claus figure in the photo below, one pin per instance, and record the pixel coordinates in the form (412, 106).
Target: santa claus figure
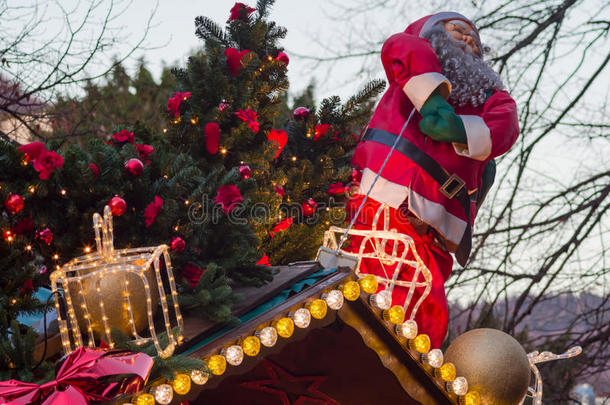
(442, 164)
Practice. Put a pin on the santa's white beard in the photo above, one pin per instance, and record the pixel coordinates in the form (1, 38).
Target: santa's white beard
(470, 76)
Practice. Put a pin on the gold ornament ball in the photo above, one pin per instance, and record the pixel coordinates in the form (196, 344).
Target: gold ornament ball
(112, 290)
(369, 284)
(494, 364)
(182, 384)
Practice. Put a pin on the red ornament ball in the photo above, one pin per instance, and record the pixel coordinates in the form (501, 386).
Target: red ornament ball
(301, 113)
(309, 207)
(46, 235)
(14, 203)
(134, 166)
(178, 244)
(245, 172)
(117, 206)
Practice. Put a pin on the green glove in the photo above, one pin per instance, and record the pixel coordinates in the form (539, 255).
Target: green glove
(440, 122)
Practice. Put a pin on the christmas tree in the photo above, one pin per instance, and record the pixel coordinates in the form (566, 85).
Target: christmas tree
(230, 183)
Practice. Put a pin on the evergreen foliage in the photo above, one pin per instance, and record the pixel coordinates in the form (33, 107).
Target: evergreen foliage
(224, 242)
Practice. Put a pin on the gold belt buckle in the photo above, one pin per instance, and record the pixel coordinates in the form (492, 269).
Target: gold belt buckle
(452, 186)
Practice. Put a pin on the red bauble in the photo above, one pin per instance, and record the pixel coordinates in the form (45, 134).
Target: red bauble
(309, 207)
(46, 235)
(245, 172)
(117, 206)
(301, 113)
(14, 203)
(134, 166)
(178, 244)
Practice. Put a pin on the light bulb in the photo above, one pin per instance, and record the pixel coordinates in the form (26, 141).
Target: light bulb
(334, 299)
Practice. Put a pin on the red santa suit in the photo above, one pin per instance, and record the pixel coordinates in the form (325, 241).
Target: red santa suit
(419, 206)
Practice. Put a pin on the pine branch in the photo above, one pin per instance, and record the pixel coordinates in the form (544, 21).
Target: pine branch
(207, 29)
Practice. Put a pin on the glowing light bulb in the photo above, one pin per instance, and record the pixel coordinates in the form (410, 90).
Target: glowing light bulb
(395, 314)
(163, 393)
(446, 372)
(459, 386)
(234, 355)
(471, 398)
(351, 290)
(267, 336)
(284, 327)
(421, 343)
(145, 399)
(407, 329)
(369, 284)
(382, 300)
(217, 364)
(318, 308)
(434, 358)
(199, 377)
(251, 346)
(301, 318)
(334, 299)
(182, 384)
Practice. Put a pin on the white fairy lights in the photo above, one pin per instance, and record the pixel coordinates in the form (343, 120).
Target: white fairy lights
(267, 336)
(459, 386)
(382, 300)
(234, 355)
(163, 393)
(334, 299)
(301, 318)
(434, 358)
(93, 267)
(199, 377)
(407, 329)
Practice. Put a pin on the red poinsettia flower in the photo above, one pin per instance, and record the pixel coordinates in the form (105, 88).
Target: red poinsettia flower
(123, 136)
(174, 102)
(280, 137)
(152, 210)
(281, 226)
(282, 57)
(234, 58)
(228, 197)
(32, 150)
(192, 274)
(264, 261)
(240, 11)
(250, 116)
(336, 188)
(212, 137)
(320, 130)
(145, 150)
(46, 162)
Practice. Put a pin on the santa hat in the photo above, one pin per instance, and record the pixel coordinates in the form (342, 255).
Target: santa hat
(426, 24)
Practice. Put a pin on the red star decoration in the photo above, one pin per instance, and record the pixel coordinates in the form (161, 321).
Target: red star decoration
(290, 389)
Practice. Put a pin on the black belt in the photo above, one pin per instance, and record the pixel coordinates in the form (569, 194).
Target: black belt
(451, 186)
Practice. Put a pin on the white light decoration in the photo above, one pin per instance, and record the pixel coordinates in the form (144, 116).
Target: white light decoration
(199, 377)
(382, 300)
(407, 329)
(234, 355)
(395, 252)
(267, 336)
(140, 264)
(163, 393)
(434, 358)
(334, 299)
(459, 386)
(534, 358)
(301, 317)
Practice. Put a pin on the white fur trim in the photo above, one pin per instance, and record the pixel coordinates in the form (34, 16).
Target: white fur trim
(435, 215)
(419, 88)
(478, 138)
(385, 191)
